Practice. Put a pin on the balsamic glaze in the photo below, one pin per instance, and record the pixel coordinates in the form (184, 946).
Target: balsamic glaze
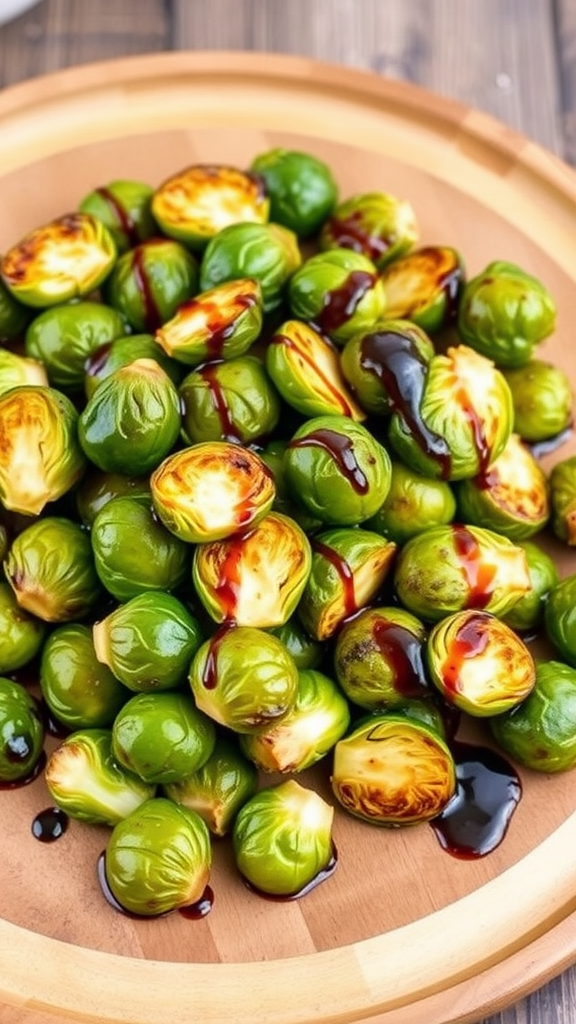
(341, 303)
(125, 221)
(319, 877)
(402, 650)
(341, 449)
(50, 824)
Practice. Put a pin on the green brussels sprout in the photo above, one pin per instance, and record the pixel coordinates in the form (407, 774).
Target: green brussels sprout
(424, 286)
(4, 543)
(132, 420)
(149, 282)
(21, 733)
(120, 352)
(282, 839)
(528, 612)
(336, 470)
(64, 337)
(452, 568)
(200, 201)
(256, 579)
(14, 317)
(78, 690)
(244, 679)
(21, 634)
(320, 716)
(133, 552)
(510, 497)
(478, 663)
(349, 567)
(425, 710)
(452, 419)
(560, 618)
(148, 642)
(563, 499)
(378, 658)
(505, 313)
(124, 206)
(97, 488)
(376, 224)
(162, 737)
(413, 503)
(300, 186)
(221, 323)
(16, 370)
(268, 253)
(51, 570)
(40, 458)
(542, 398)
(306, 651)
(540, 732)
(305, 367)
(393, 770)
(85, 780)
(381, 363)
(64, 259)
(273, 456)
(219, 788)
(231, 400)
(339, 292)
(211, 490)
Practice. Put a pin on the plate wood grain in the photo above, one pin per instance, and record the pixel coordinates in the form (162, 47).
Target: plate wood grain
(402, 933)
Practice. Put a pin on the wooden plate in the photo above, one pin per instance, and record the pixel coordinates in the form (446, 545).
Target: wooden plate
(403, 933)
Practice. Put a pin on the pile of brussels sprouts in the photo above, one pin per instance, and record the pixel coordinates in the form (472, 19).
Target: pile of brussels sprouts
(269, 497)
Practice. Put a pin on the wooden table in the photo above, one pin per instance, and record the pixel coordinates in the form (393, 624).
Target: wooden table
(515, 59)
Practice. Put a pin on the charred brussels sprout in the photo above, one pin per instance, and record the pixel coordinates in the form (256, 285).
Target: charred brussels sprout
(21, 732)
(424, 286)
(14, 317)
(64, 337)
(542, 397)
(560, 618)
(301, 189)
(221, 323)
(21, 634)
(120, 352)
(124, 207)
(339, 292)
(376, 224)
(150, 282)
(563, 499)
(268, 253)
(231, 400)
(18, 370)
(393, 770)
(528, 612)
(381, 364)
(505, 312)
(78, 689)
(98, 488)
(283, 839)
(413, 503)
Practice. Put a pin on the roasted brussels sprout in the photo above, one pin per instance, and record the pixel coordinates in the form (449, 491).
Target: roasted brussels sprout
(21, 634)
(339, 292)
(563, 499)
(149, 283)
(21, 732)
(124, 207)
(268, 253)
(306, 651)
(378, 225)
(120, 352)
(393, 770)
(229, 400)
(78, 690)
(97, 488)
(18, 370)
(272, 454)
(301, 188)
(505, 312)
(413, 503)
(425, 286)
(542, 398)
(382, 363)
(283, 839)
(560, 618)
(221, 323)
(528, 612)
(14, 317)
(64, 337)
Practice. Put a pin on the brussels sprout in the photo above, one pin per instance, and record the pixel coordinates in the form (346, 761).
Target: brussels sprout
(221, 323)
(21, 634)
(4, 543)
(268, 253)
(79, 690)
(40, 458)
(306, 651)
(21, 733)
(320, 716)
(504, 313)
(149, 282)
(283, 839)
(543, 399)
(211, 490)
(64, 337)
(124, 207)
(339, 292)
(381, 364)
(336, 470)
(51, 570)
(422, 709)
(510, 497)
(393, 770)
(528, 612)
(349, 566)
(413, 503)
(378, 658)
(148, 642)
(14, 317)
(98, 488)
(133, 552)
(452, 568)
(199, 201)
(301, 188)
(232, 400)
(560, 618)
(120, 352)
(376, 224)
(62, 260)
(18, 370)
(453, 419)
(305, 368)
(244, 679)
(273, 456)
(85, 780)
(563, 499)
(425, 286)
(540, 732)
(132, 420)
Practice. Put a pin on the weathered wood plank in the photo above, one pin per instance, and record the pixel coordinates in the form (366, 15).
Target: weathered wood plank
(566, 51)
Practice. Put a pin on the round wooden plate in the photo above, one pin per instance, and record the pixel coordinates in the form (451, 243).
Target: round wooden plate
(402, 933)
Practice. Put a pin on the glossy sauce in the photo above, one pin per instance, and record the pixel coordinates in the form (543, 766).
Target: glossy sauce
(320, 877)
(228, 583)
(402, 650)
(152, 318)
(210, 671)
(219, 330)
(470, 640)
(348, 233)
(341, 303)
(479, 574)
(50, 824)
(209, 374)
(344, 572)
(341, 450)
(122, 216)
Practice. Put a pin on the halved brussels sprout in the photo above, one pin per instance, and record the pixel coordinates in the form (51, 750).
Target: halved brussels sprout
(543, 400)
(21, 732)
(21, 634)
(256, 579)
(378, 225)
(149, 283)
(413, 503)
(268, 253)
(425, 286)
(505, 312)
(85, 780)
(306, 651)
(339, 292)
(560, 617)
(64, 259)
(478, 663)
(124, 207)
(221, 323)
(97, 488)
(211, 490)
(229, 400)
(40, 458)
(528, 612)
(563, 499)
(283, 839)
(64, 337)
(18, 370)
(79, 690)
(381, 364)
(301, 188)
(199, 201)
(14, 317)
(113, 355)
(393, 770)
